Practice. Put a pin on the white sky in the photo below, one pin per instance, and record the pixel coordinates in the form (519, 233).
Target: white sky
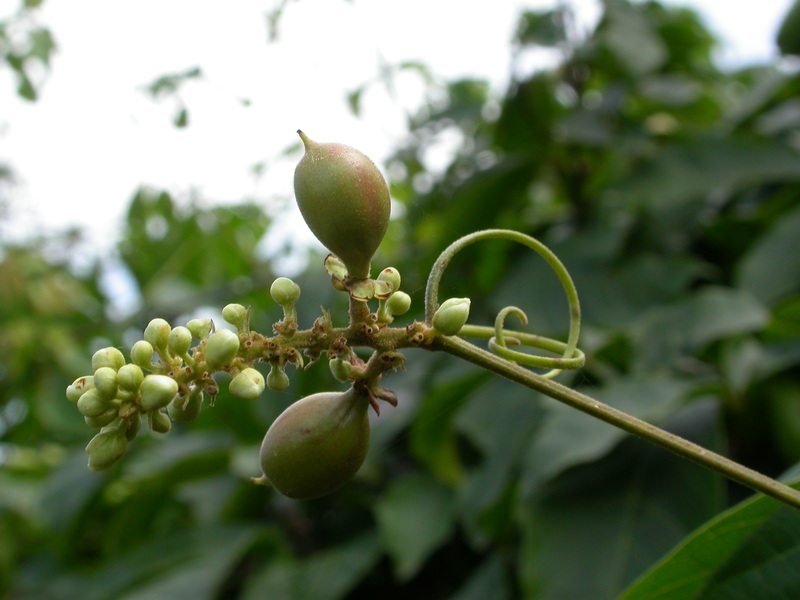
(94, 136)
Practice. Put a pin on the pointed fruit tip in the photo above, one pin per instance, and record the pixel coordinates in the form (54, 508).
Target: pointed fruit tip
(303, 137)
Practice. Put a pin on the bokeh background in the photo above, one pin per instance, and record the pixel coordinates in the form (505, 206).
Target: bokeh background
(662, 169)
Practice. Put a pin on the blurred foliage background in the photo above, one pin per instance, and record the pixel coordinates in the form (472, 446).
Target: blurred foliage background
(669, 188)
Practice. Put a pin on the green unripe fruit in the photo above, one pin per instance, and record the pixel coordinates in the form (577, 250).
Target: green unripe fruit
(277, 379)
(451, 316)
(157, 391)
(106, 448)
(179, 340)
(103, 419)
(235, 314)
(92, 404)
(398, 303)
(317, 444)
(107, 357)
(130, 377)
(284, 291)
(391, 276)
(221, 348)
(79, 387)
(159, 422)
(344, 200)
(105, 382)
(248, 385)
(200, 328)
(157, 333)
(142, 354)
(183, 410)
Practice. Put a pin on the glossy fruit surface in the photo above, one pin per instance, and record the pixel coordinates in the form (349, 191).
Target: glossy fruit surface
(317, 444)
(344, 200)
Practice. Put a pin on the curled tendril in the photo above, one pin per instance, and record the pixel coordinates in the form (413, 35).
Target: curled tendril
(570, 356)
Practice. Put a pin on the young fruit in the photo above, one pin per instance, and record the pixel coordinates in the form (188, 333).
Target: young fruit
(317, 444)
(344, 200)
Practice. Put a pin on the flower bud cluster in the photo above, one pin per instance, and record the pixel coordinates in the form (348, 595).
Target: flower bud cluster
(165, 381)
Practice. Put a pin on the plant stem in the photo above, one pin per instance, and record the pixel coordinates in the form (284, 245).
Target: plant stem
(675, 444)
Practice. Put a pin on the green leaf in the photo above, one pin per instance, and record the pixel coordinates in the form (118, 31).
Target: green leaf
(689, 170)
(765, 271)
(181, 118)
(499, 420)
(42, 45)
(667, 333)
(632, 39)
(788, 38)
(432, 432)
(751, 551)
(546, 28)
(25, 88)
(569, 437)
(489, 581)
(597, 527)
(415, 516)
(327, 575)
(330, 575)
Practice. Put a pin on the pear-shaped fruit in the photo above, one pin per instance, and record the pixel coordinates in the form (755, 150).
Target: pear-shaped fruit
(317, 444)
(344, 200)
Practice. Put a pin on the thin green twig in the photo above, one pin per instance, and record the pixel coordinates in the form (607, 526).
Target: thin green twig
(675, 444)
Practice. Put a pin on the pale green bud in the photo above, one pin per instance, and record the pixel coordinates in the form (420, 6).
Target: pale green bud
(159, 422)
(341, 369)
(105, 382)
(284, 291)
(200, 328)
(79, 386)
(179, 340)
(142, 354)
(130, 377)
(103, 419)
(248, 385)
(277, 379)
(107, 357)
(451, 316)
(391, 276)
(156, 391)
(235, 314)
(398, 303)
(157, 333)
(221, 348)
(92, 404)
(183, 410)
(106, 448)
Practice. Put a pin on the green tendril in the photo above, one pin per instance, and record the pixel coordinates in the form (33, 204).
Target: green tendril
(570, 356)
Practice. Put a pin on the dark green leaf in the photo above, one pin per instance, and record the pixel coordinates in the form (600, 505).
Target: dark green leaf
(415, 516)
(765, 271)
(686, 171)
(489, 581)
(569, 438)
(751, 551)
(432, 433)
(597, 527)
